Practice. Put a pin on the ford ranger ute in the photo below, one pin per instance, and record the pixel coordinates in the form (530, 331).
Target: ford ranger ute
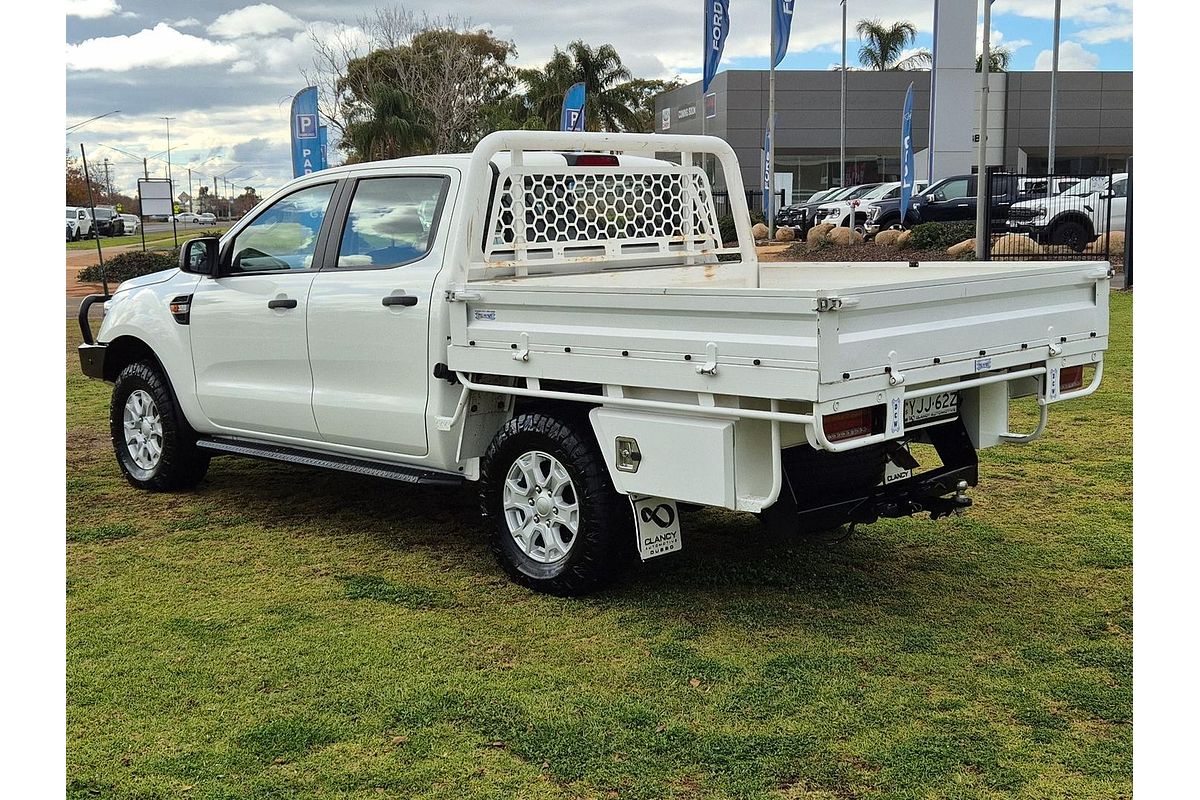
(555, 318)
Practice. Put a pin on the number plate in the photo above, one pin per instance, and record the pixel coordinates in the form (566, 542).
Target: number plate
(932, 407)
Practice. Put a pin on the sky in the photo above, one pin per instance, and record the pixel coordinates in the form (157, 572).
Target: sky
(225, 71)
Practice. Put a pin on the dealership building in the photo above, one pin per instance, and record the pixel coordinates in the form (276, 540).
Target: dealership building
(1094, 131)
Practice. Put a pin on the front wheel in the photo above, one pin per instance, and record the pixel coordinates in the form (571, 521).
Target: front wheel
(1072, 234)
(155, 447)
(557, 524)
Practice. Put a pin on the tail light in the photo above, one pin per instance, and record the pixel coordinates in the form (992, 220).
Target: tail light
(849, 424)
(1070, 378)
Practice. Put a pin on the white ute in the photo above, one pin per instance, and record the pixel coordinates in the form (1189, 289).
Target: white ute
(554, 317)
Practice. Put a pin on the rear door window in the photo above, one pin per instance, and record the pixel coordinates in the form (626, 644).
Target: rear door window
(391, 221)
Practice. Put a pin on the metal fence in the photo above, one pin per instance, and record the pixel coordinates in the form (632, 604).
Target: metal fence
(753, 199)
(1062, 217)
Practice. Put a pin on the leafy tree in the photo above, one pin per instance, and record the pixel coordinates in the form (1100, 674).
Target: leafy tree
(77, 193)
(882, 45)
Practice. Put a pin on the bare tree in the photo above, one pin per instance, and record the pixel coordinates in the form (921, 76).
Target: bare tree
(452, 72)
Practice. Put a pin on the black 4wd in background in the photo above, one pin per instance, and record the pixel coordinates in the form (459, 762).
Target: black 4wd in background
(951, 199)
(109, 222)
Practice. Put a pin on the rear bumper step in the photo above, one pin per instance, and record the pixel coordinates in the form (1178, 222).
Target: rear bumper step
(308, 458)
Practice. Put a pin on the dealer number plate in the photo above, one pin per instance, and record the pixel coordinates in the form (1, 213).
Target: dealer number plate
(935, 406)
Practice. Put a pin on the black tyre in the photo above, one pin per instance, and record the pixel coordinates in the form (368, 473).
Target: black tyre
(155, 447)
(556, 523)
(1072, 234)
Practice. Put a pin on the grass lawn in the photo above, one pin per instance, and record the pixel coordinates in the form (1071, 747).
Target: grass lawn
(284, 632)
(158, 238)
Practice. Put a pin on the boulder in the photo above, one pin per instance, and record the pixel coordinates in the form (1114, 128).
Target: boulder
(1116, 244)
(785, 234)
(844, 236)
(961, 249)
(1014, 244)
(816, 234)
(904, 239)
(887, 238)
(760, 232)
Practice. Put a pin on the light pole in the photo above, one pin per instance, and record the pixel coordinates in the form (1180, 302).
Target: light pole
(842, 149)
(1050, 160)
(981, 177)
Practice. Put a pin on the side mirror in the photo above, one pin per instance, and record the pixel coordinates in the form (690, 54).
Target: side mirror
(199, 256)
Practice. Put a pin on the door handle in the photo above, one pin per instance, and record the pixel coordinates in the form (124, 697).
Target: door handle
(282, 302)
(400, 300)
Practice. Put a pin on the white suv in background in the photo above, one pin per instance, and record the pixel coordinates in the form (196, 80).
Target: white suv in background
(80, 219)
(837, 213)
(1076, 217)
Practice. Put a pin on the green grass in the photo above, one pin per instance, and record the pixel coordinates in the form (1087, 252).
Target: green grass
(158, 239)
(289, 633)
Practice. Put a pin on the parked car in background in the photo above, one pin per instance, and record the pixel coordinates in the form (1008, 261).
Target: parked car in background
(951, 199)
(794, 215)
(82, 219)
(185, 216)
(1033, 187)
(206, 218)
(838, 212)
(132, 224)
(1076, 217)
(109, 222)
(805, 214)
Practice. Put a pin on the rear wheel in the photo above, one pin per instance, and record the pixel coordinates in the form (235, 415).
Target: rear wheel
(557, 524)
(155, 447)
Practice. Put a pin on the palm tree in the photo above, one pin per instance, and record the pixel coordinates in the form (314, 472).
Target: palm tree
(391, 127)
(998, 60)
(611, 103)
(884, 45)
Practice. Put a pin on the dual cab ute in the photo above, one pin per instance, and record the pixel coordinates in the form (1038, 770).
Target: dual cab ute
(555, 318)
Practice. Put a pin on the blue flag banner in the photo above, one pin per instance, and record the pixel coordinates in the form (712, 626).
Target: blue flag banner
(323, 138)
(906, 156)
(572, 108)
(306, 133)
(783, 28)
(767, 174)
(716, 30)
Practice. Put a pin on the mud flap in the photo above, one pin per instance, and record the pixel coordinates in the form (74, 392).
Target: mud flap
(658, 530)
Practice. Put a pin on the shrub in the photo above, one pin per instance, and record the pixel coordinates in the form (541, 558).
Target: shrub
(940, 235)
(131, 264)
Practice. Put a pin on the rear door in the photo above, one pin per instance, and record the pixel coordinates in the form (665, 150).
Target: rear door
(249, 341)
(368, 314)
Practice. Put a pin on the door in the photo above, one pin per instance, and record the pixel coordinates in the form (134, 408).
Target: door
(952, 201)
(368, 314)
(1115, 216)
(249, 342)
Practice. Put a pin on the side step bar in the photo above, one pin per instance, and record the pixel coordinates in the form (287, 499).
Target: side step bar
(308, 458)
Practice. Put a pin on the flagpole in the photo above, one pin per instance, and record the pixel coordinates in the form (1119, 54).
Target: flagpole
(981, 177)
(769, 173)
(1050, 166)
(842, 150)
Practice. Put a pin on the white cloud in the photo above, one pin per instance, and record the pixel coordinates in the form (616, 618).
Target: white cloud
(92, 9)
(1071, 57)
(1082, 11)
(1107, 33)
(190, 22)
(161, 46)
(257, 20)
